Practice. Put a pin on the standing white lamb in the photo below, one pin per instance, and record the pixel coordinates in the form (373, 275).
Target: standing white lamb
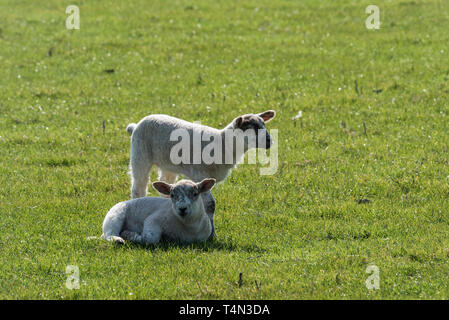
(147, 220)
(152, 143)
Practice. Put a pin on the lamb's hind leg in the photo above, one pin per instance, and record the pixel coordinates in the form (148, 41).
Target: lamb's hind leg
(116, 239)
(140, 167)
(130, 236)
(168, 177)
(151, 234)
(112, 238)
(113, 223)
(209, 206)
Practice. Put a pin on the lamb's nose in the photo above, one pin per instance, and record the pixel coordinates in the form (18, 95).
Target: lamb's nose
(182, 211)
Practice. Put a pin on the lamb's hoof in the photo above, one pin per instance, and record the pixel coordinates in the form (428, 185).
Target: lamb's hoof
(213, 236)
(119, 240)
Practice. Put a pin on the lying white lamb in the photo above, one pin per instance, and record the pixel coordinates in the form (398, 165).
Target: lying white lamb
(147, 220)
(152, 144)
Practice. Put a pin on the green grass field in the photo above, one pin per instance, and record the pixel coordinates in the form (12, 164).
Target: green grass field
(374, 126)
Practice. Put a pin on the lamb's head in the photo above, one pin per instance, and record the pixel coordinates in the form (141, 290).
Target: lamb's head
(251, 129)
(185, 196)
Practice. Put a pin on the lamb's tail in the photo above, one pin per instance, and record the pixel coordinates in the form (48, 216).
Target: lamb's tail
(130, 128)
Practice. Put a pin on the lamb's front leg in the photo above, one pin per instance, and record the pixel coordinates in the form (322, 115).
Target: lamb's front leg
(152, 231)
(131, 236)
(147, 237)
(209, 206)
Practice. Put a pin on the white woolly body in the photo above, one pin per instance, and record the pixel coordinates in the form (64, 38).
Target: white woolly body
(151, 145)
(150, 219)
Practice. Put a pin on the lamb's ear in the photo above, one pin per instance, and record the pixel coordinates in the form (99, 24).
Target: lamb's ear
(206, 185)
(162, 187)
(238, 122)
(267, 115)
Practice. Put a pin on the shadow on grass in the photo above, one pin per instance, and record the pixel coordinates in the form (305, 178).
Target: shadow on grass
(207, 246)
